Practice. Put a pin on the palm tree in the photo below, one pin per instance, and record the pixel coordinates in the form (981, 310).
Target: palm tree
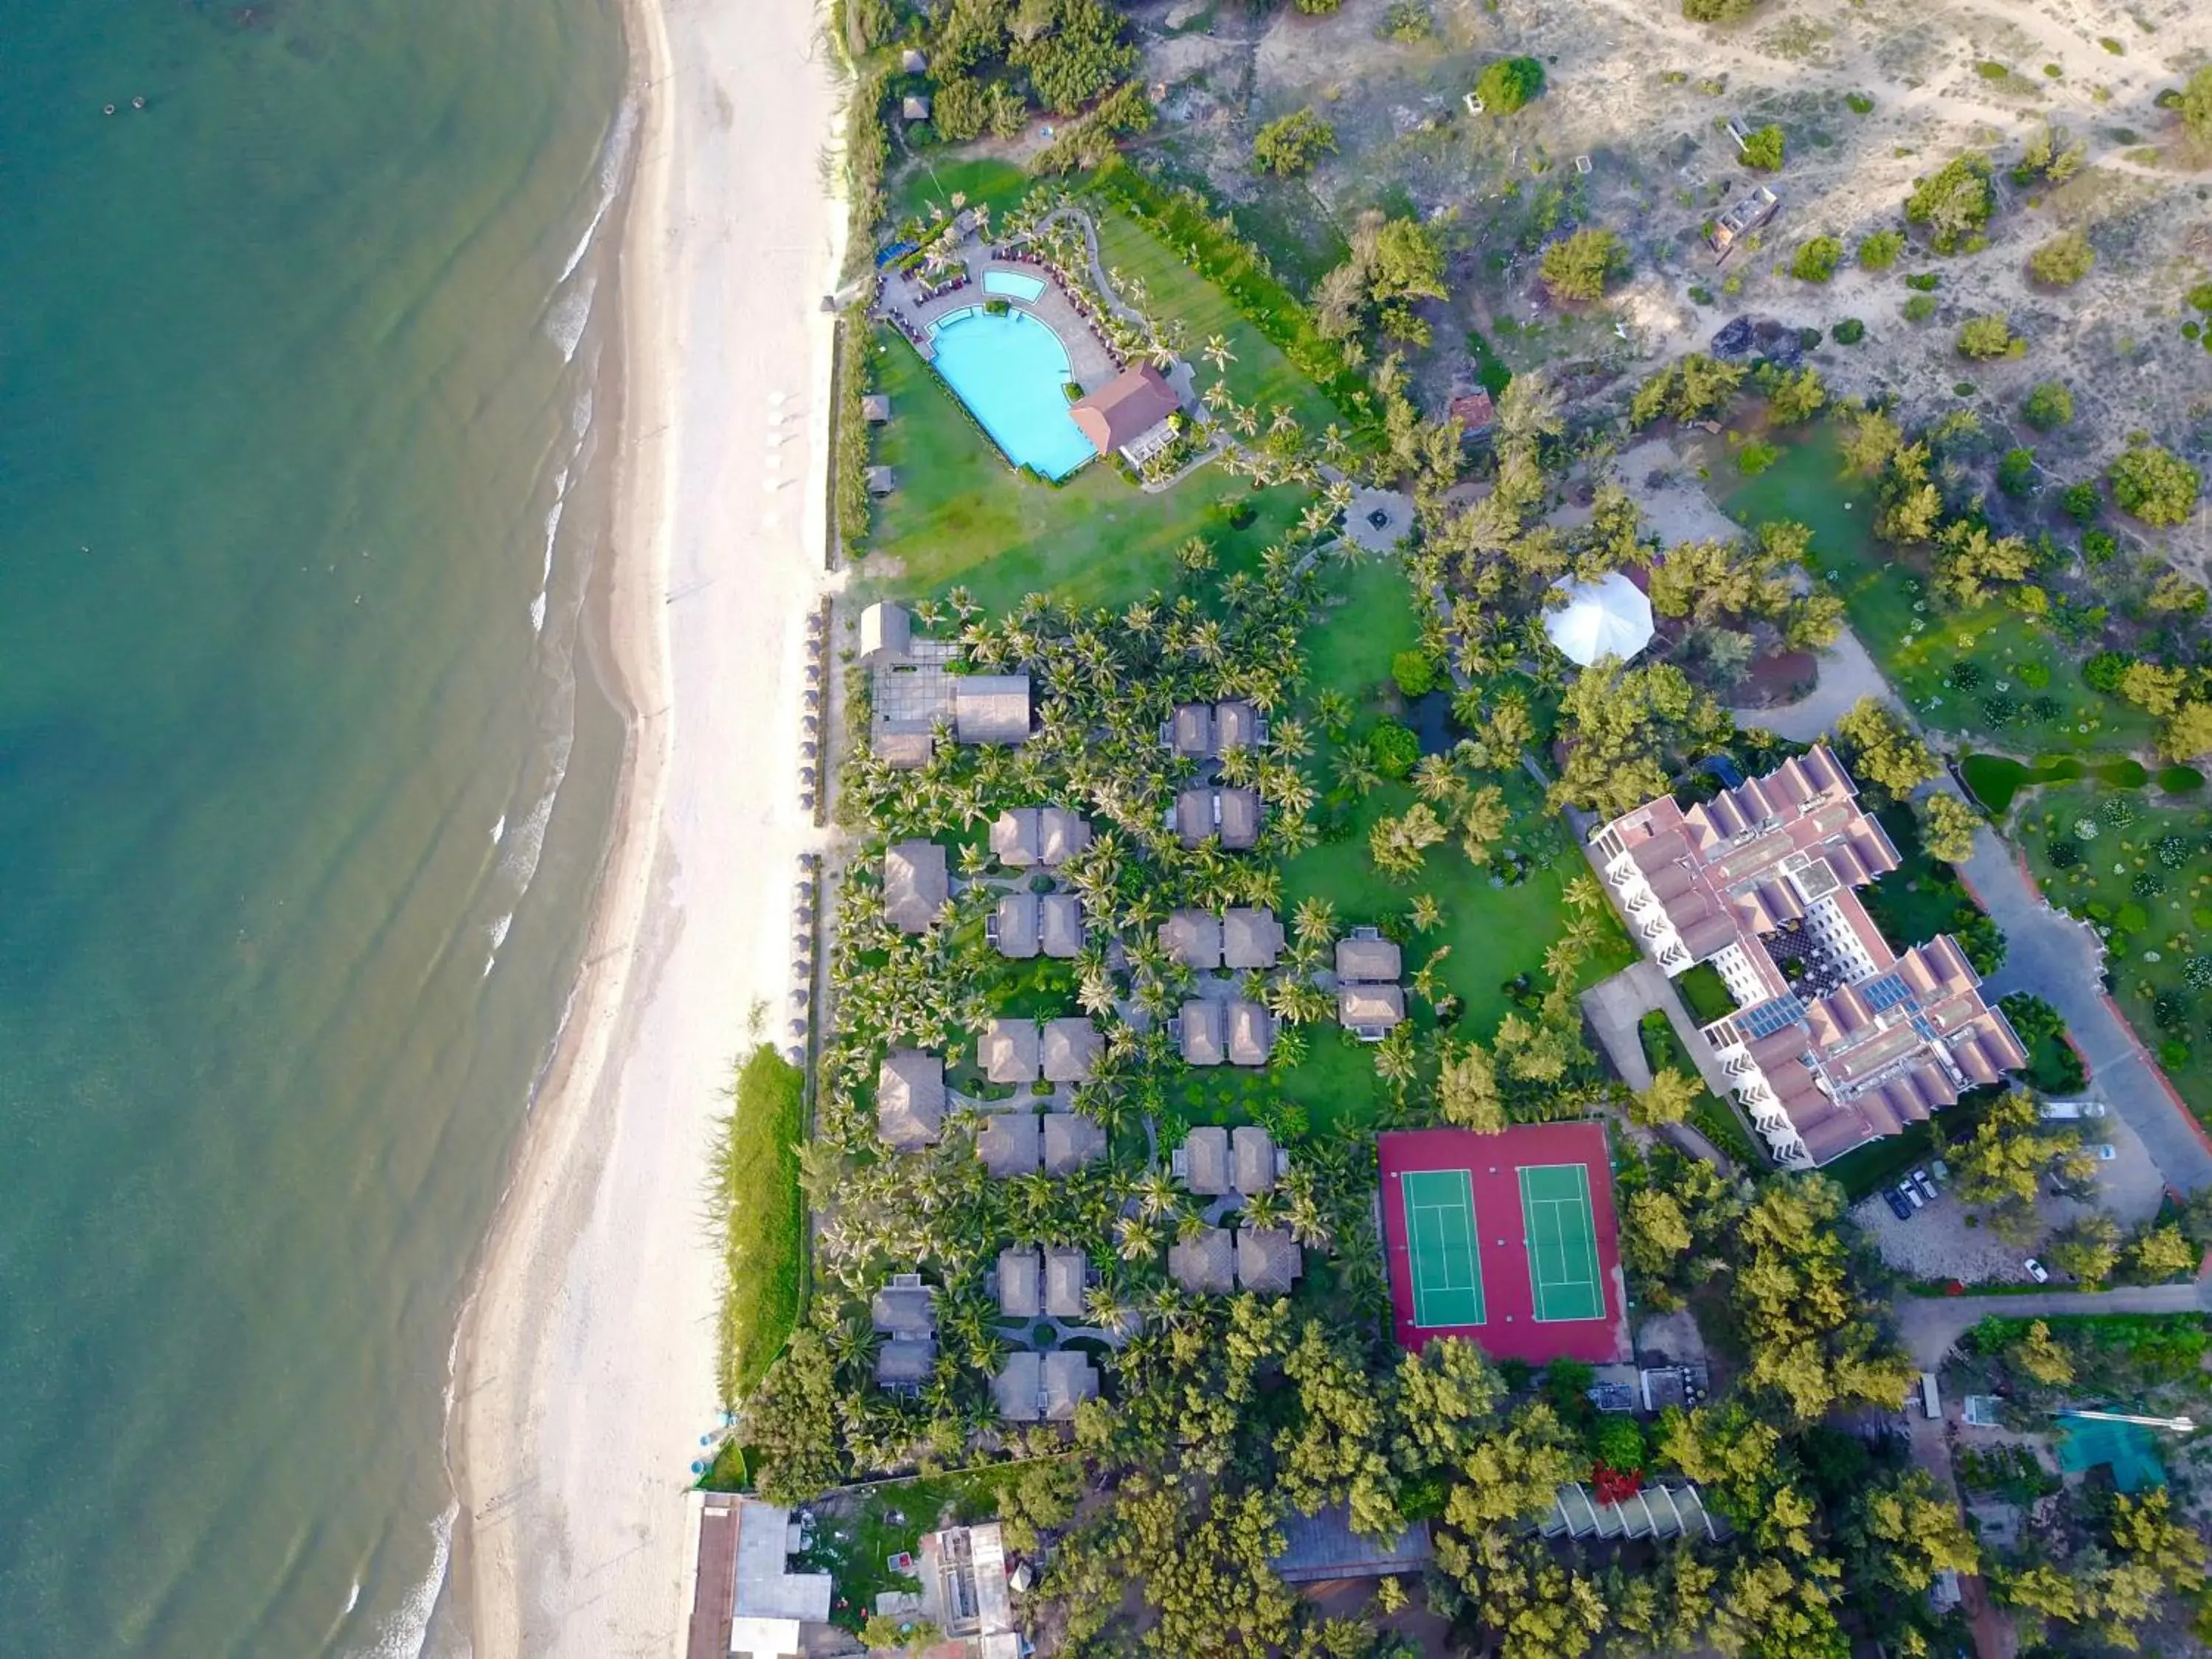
(1263, 1210)
(1427, 915)
(1156, 1195)
(1314, 921)
(1217, 353)
(1134, 1241)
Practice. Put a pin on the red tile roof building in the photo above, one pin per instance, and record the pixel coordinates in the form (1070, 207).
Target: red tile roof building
(1862, 1039)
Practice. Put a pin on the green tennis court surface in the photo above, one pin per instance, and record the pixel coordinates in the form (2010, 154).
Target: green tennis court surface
(1563, 1270)
(1440, 1247)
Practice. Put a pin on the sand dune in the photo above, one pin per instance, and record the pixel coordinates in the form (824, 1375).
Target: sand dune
(586, 1374)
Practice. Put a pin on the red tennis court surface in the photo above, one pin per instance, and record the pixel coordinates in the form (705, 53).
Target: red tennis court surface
(1507, 1294)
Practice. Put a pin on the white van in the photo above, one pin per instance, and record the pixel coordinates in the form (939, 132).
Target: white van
(2072, 1109)
(1930, 1401)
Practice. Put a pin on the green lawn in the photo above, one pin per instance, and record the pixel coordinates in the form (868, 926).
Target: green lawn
(1335, 1084)
(2030, 695)
(1260, 373)
(933, 181)
(1370, 619)
(1496, 932)
(961, 515)
(2152, 934)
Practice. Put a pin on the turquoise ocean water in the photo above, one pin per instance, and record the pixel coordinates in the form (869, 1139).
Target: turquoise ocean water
(304, 775)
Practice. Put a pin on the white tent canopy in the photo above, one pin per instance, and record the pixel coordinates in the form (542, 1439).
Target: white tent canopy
(1607, 618)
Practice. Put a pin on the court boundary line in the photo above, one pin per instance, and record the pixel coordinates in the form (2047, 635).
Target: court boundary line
(1469, 1248)
(1540, 1292)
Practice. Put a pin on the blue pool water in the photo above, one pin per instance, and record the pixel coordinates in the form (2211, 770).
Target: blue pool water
(1008, 371)
(1013, 284)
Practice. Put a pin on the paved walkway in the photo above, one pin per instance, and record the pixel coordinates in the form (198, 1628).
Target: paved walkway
(2061, 960)
(1847, 674)
(1614, 1007)
(1932, 1325)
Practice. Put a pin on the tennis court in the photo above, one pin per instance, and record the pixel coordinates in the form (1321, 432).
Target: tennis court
(1440, 1247)
(1562, 1233)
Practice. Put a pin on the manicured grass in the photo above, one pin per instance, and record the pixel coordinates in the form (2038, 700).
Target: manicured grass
(1916, 641)
(1919, 899)
(1335, 1084)
(2151, 938)
(1705, 993)
(1260, 373)
(754, 1201)
(1369, 620)
(1996, 779)
(981, 179)
(1495, 934)
(961, 515)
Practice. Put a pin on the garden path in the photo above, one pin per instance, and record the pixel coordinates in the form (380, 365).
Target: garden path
(1847, 674)
(1930, 1325)
(2060, 959)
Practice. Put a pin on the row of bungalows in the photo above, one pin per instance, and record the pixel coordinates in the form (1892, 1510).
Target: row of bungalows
(1198, 731)
(1241, 939)
(1854, 1039)
(1027, 1388)
(910, 1104)
(1370, 1001)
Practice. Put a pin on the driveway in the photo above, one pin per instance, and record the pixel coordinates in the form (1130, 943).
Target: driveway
(1932, 1325)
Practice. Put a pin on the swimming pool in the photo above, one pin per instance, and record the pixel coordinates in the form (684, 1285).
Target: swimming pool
(2129, 1447)
(1013, 284)
(1008, 371)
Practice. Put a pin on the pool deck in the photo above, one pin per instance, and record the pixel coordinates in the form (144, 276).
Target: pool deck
(901, 301)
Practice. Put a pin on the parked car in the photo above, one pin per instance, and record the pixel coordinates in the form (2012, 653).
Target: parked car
(2037, 1271)
(1943, 1172)
(1896, 1202)
(1911, 1194)
(2105, 1151)
(1926, 1188)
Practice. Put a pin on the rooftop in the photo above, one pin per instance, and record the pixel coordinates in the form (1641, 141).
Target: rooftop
(915, 886)
(910, 1098)
(1125, 409)
(1205, 1263)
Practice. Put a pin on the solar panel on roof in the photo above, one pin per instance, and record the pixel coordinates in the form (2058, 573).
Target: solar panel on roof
(1768, 1017)
(1925, 1026)
(1886, 992)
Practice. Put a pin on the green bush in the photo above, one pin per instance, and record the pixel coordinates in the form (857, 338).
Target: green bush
(1924, 281)
(755, 1214)
(1717, 11)
(2063, 260)
(1850, 331)
(1956, 203)
(2082, 502)
(1509, 83)
(1579, 266)
(2016, 473)
(1292, 145)
(1816, 261)
(1987, 336)
(1763, 150)
(2050, 405)
(1396, 749)
(1920, 308)
(1755, 458)
(1408, 20)
(1879, 250)
(2154, 485)
(1415, 671)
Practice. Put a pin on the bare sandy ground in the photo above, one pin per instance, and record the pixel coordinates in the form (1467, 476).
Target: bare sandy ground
(587, 1373)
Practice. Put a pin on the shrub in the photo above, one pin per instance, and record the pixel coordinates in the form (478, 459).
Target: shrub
(1879, 251)
(2063, 260)
(2197, 975)
(2098, 546)
(1850, 331)
(2050, 405)
(1987, 336)
(2116, 810)
(2016, 473)
(1965, 675)
(2104, 671)
(1578, 267)
(1763, 150)
(1415, 671)
(1858, 103)
(1293, 143)
(1816, 261)
(1407, 19)
(1396, 749)
(2062, 854)
(1924, 281)
(1509, 83)
(2044, 710)
(1717, 11)
(2197, 106)
(2082, 502)
(1920, 308)
(1999, 710)
(2173, 851)
(1755, 458)
(2158, 487)
(1956, 203)
(2147, 884)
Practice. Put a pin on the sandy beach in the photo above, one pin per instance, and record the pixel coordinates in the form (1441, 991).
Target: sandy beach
(585, 1374)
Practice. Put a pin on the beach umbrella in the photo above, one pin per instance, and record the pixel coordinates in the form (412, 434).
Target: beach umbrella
(1607, 618)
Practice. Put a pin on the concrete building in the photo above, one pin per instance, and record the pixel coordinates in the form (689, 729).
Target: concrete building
(745, 1602)
(1838, 1039)
(1131, 413)
(967, 1594)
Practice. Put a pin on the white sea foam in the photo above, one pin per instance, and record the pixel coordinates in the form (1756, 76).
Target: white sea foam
(537, 614)
(566, 317)
(499, 829)
(405, 1631)
(614, 157)
(579, 417)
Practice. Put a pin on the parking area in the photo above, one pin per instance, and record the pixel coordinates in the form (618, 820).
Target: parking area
(1938, 1242)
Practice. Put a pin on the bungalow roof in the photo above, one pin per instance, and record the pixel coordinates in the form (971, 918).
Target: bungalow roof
(1376, 959)
(915, 886)
(1253, 1158)
(991, 707)
(1250, 938)
(1071, 1141)
(1251, 1034)
(1202, 1036)
(1059, 925)
(1065, 1272)
(1070, 1049)
(909, 1097)
(1268, 1260)
(1205, 1158)
(1008, 1143)
(1021, 1283)
(1192, 937)
(1010, 1051)
(1205, 1263)
(1017, 926)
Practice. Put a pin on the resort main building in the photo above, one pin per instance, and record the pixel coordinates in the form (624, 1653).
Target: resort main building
(1837, 1039)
